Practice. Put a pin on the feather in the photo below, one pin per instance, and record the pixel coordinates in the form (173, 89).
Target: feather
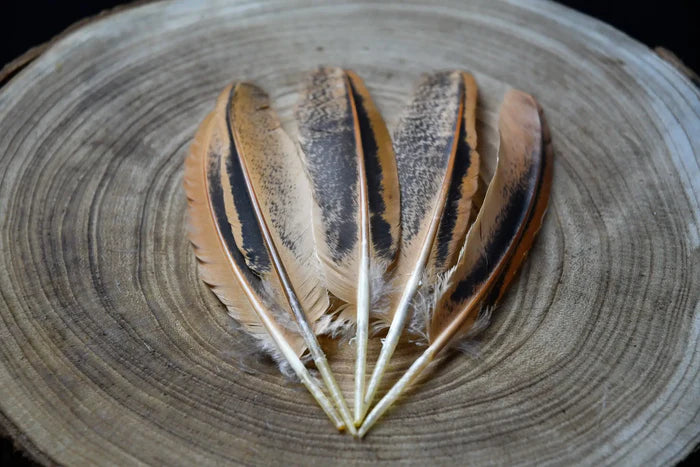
(534, 220)
(511, 215)
(350, 162)
(438, 169)
(241, 241)
(282, 192)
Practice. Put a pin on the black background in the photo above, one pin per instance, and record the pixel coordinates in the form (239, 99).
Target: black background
(673, 24)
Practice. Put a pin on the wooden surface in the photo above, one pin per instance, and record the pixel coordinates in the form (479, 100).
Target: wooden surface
(112, 350)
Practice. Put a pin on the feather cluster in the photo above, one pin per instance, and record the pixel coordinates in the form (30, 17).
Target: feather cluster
(398, 236)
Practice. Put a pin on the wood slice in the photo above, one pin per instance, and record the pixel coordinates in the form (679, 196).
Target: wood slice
(112, 351)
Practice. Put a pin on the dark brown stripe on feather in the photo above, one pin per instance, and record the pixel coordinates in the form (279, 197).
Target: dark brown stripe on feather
(382, 239)
(216, 198)
(332, 164)
(253, 244)
(448, 222)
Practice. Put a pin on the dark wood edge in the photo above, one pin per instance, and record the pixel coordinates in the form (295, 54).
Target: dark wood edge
(673, 60)
(22, 445)
(11, 69)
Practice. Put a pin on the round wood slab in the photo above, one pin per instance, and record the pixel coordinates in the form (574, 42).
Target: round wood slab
(112, 351)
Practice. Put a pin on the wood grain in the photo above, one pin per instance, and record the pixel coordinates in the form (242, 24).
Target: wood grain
(113, 351)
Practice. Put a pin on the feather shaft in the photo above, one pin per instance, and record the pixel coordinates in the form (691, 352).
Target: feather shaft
(363, 280)
(401, 314)
(395, 392)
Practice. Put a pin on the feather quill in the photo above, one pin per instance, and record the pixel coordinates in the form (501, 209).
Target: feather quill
(245, 240)
(511, 215)
(438, 168)
(351, 165)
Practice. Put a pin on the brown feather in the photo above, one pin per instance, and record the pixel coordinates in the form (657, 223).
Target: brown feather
(523, 176)
(216, 265)
(534, 221)
(463, 186)
(276, 173)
